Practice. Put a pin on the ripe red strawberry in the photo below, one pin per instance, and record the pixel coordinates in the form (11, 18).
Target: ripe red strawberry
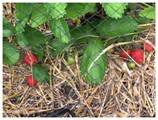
(124, 55)
(30, 81)
(148, 47)
(30, 59)
(138, 55)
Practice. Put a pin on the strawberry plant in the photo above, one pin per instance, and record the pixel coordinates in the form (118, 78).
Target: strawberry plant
(91, 27)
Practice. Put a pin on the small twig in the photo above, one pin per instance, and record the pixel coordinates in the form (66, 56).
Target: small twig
(147, 24)
(22, 97)
(68, 67)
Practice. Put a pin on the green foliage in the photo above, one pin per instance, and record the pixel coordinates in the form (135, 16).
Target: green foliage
(58, 47)
(23, 10)
(148, 12)
(39, 52)
(10, 53)
(22, 41)
(61, 30)
(40, 73)
(78, 35)
(20, 26)
(23, 13)
(56, 10)
(34, 37)
(39, 15)
(143, 20)
(112, 28)
(114, 10)
(81, 32)
(76, 10)
(8, 29)
(120, 39)
(96, 73)
(73, 24)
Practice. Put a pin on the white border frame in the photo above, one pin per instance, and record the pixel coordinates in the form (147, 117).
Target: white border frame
(99, 1)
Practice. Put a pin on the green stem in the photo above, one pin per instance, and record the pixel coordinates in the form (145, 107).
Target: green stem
(88, 36)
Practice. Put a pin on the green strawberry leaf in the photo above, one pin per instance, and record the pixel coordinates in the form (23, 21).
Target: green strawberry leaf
(56, 10)
(58, 47)
(148, 12)
(34, 37)
(23, 12)
(112, 28)
(96, 74)
(75, 10)
(22, 40)
(61, 30)
(114, 10)
(20, 26)
(78, 35)
(81, 32)
(39, 15)
(40, 73)
(8, 29)
(31, 37)
(10, 53)
(38, 51)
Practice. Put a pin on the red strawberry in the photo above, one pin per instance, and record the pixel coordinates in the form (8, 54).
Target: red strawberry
(30, 81)
(138, 55)
(148, 47)
(124, 55)
(30, 59)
